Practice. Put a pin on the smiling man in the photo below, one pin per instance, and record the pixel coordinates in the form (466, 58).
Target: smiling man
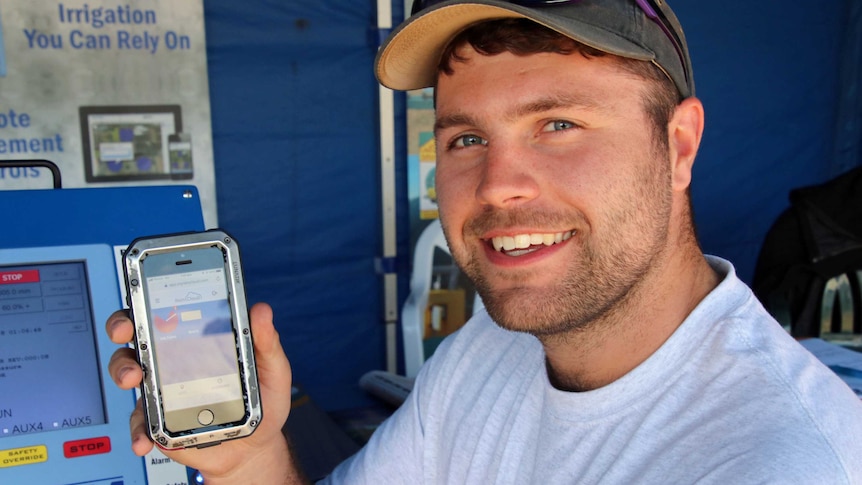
(612, 350)
(562, 148)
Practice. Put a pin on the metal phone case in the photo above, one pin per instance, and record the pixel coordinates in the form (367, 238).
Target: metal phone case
(133, 258)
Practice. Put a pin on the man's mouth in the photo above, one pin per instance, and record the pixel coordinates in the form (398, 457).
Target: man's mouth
(520, 244)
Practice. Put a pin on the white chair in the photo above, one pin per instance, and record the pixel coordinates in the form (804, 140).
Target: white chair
(421, 283)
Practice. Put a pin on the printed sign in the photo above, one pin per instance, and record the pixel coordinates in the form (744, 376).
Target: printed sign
(112, 92)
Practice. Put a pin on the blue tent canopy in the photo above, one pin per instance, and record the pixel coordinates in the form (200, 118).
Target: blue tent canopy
(295, 120)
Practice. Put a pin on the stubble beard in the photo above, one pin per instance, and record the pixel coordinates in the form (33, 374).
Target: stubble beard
(600, 282)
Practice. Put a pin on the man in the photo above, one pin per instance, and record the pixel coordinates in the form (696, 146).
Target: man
(612, 350)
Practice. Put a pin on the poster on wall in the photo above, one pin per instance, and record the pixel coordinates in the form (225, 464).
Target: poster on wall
(421, 159)
(113, 92)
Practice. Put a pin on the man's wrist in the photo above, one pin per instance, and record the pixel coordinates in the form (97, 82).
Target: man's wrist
(275, 465)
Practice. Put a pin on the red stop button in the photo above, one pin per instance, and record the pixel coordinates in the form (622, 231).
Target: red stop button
(19, 276)
(91, 446)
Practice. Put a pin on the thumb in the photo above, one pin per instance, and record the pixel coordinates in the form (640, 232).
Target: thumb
(273, 368)
(264, 334)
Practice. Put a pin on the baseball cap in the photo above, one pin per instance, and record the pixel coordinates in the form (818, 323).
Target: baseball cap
(638, 29)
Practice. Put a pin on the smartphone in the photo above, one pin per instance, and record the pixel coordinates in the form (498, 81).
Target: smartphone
(180, 156)
(192, 338)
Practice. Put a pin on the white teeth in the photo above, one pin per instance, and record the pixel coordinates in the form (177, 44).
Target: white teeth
(508, 243)
(524, 241)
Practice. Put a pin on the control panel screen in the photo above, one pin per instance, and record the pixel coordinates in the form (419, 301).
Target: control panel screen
(49, 366)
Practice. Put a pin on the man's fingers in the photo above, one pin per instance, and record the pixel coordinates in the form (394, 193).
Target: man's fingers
(124, 369)
(141, 443)
(120, 328)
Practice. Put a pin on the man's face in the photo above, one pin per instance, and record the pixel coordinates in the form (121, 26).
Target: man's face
(553, 194)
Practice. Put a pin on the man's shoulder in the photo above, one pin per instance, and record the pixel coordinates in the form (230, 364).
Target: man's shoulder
(774, 395)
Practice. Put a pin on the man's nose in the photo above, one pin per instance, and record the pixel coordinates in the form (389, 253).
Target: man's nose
(508, 177)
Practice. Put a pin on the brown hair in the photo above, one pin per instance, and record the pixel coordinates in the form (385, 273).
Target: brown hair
(523, 37)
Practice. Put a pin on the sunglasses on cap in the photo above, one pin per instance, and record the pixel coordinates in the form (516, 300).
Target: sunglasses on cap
(651, 8)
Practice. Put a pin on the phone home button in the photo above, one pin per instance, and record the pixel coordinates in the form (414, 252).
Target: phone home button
(206, 417)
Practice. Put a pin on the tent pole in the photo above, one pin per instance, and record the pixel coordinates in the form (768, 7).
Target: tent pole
(387, 179)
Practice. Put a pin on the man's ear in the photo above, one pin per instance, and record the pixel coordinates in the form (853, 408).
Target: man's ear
(685, 131)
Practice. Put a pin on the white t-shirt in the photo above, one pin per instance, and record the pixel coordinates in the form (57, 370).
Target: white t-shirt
(729, 398)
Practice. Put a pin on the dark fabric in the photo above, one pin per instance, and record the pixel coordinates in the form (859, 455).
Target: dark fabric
(817, 238)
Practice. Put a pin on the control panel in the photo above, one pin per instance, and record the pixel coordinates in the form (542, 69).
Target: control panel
(62, 420)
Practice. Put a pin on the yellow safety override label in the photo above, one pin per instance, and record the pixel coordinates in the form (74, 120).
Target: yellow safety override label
(23, 456)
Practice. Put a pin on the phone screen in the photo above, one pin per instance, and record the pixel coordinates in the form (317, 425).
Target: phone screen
(193, 338)
(180, 154)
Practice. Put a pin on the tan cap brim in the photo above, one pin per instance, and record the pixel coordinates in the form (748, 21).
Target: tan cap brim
(410, 56)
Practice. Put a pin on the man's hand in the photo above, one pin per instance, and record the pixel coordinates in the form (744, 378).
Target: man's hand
(263, 457)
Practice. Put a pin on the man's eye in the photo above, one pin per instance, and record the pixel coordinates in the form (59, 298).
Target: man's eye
(559, 125)
(468, 140)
